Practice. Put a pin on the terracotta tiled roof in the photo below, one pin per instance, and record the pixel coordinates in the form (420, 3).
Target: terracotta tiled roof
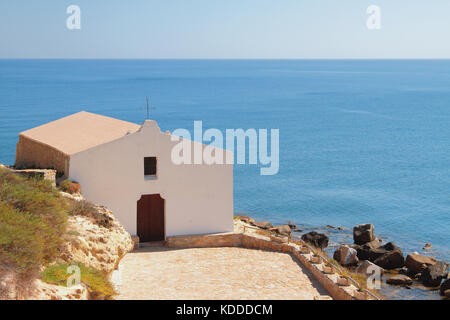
(80, 131)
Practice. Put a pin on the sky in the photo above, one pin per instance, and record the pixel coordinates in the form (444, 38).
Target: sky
(225, 29)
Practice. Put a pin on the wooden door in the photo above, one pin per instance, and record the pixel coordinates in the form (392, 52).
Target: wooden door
(150, 218)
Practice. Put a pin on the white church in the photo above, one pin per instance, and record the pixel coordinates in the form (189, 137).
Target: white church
(128, 168)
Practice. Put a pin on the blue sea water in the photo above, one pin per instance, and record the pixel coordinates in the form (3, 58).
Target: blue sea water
(360, 140)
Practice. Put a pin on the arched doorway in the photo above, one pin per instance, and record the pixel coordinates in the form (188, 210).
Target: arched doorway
(150, 218)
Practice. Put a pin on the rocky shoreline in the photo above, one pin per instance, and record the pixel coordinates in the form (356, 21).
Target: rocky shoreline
(369, 256)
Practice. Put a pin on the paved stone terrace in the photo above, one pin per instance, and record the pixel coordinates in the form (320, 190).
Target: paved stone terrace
(214, 273)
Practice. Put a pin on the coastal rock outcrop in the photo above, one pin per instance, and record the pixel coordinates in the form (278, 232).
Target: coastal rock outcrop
(94, 245)
(333, 227)
(363, 233)
(366, 251)
(284, 230)
(445, 286)
(291, 225)
(392, 257)
(433, 275)
(246, 219)
(346, 256)
(417, 263)
(262, 224)
(388, 256)
(399, 279)
(318, 240)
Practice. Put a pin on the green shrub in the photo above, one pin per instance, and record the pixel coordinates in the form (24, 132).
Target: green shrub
(70, 186)
(32, 221)
(20, 242)
(96, 281)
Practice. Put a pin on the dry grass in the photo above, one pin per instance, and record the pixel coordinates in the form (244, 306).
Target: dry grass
(70, 187)
(86, 209)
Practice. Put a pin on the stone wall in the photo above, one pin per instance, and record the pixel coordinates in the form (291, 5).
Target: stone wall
(230, 239)
(259, 242)
(46, 174)
(33, 154)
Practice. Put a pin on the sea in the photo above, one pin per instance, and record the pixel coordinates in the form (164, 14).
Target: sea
(360, 141)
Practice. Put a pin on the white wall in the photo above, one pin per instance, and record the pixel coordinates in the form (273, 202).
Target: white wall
(198, 198)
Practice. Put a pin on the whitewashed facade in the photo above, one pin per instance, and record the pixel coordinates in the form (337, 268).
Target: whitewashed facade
(198, 197)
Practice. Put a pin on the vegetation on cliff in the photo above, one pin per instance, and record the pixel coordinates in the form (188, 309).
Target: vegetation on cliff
(70, 187)
(96, 281)
(42, 228)
(33, 219)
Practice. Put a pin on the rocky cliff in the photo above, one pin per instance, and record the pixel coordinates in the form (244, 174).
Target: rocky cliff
(96, 245)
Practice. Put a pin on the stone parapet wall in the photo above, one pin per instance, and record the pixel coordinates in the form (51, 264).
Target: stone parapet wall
(328, 281)
(46, 174)
(259, 242)
(33, 154)
(209, 240)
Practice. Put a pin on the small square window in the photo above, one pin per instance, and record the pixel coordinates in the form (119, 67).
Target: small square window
(150, 166)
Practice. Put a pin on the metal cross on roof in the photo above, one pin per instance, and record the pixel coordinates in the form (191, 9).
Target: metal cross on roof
(148, 108)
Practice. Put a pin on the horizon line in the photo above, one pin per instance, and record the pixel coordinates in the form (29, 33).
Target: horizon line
(287, 59)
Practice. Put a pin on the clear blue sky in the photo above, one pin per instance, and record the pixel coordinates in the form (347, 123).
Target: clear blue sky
(225, 29)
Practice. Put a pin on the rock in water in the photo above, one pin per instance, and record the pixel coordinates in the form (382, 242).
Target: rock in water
(262, 224)
(292, 225)
(445, 286)
(388, 256)
(391, 260)
(284, 230)
(427, 246)
(246, 219)
(365, 251)
(346, 256)
(432, 276)
(363, 233)
(369, 269)
(447, 293)
(417, 263)
(400, 279)
(318, 240)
